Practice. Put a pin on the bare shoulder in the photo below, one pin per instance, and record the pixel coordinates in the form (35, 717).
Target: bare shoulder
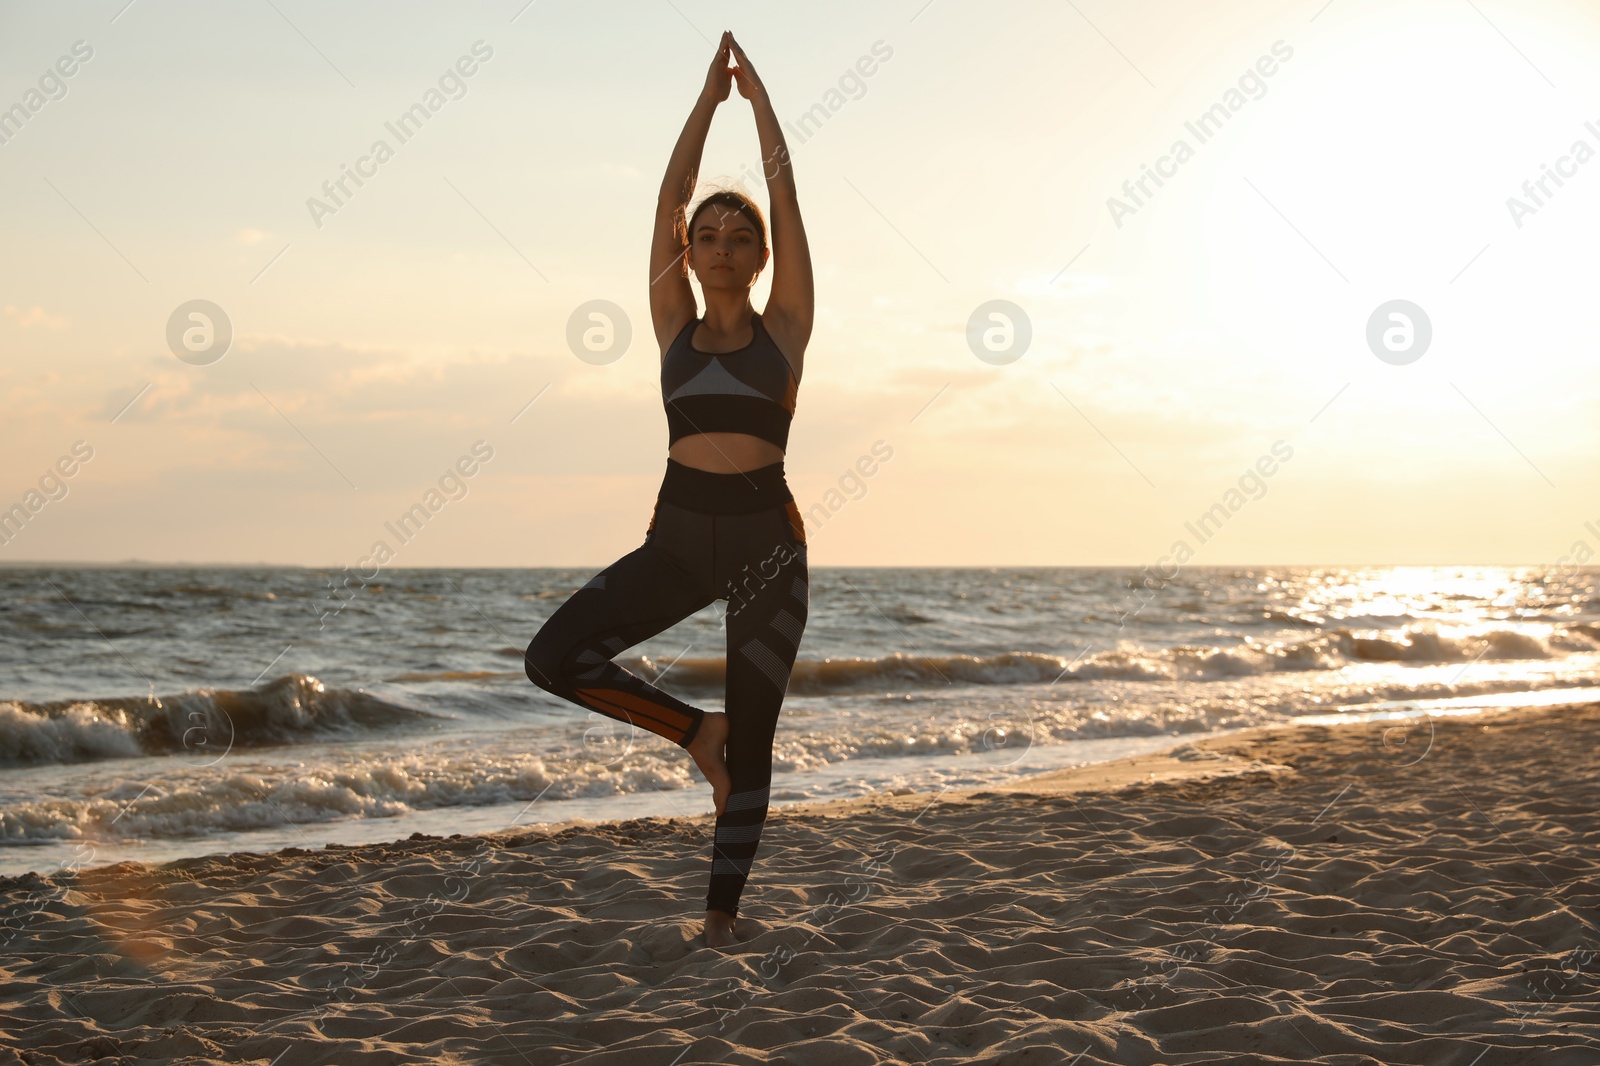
(790, 335)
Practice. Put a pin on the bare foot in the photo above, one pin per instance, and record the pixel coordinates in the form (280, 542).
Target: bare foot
(719, 929)
(706, 750)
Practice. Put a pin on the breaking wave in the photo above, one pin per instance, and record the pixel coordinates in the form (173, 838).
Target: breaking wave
(1417, 646)
(202, 724)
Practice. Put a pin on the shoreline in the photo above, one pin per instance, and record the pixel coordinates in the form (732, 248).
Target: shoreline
(1205, 757)
(1409, 892)
(1197, 761)
(491, 819)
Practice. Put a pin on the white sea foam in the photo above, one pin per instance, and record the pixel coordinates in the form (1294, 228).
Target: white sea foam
(1415, 644)
(590, 758)
(203, 723)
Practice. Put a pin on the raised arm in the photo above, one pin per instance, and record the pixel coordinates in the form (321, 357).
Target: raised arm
(671, 298)
(792, 302)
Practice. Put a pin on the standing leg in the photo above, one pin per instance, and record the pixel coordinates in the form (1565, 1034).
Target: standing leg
(768, 600)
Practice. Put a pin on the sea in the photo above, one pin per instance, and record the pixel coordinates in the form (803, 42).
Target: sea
(157, 713)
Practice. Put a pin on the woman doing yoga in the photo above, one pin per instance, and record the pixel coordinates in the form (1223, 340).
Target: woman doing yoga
(725, 525)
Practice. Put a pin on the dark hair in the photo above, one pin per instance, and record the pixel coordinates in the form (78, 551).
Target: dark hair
(736, 200)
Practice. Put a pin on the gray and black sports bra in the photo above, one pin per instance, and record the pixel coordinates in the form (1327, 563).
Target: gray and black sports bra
(751, 390)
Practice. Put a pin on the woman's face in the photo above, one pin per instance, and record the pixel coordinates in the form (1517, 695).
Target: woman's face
(725, 248)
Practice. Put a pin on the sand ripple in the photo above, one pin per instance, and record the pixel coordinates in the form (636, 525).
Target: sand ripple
(1341, 896)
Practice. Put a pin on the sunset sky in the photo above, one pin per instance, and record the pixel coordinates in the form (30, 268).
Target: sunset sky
(1172, 347)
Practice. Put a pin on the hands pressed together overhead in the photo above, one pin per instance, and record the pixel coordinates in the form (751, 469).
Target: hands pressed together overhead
(721, 76)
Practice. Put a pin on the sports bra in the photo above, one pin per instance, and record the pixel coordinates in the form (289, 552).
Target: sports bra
(751, 390)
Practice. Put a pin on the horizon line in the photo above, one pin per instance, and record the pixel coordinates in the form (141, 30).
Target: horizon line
(144, 564)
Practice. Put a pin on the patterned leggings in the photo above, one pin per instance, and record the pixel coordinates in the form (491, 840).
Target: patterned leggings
(734, 537)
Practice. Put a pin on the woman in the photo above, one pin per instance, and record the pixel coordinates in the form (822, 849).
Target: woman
(725, 524)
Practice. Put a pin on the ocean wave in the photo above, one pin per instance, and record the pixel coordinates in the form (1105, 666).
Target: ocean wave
(1291, 618)
(822, 677)
(199, 725)
(197, 804)
(597, 758)
(1355, 699)
(455, 675)
(608, 760)
(1416, 645)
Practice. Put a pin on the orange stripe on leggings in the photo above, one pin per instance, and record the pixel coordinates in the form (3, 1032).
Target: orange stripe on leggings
(629, 705)
(797, 525)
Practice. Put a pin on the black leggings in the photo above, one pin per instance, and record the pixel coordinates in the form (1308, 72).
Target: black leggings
(734, 537)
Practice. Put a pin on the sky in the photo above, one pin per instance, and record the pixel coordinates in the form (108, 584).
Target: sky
(1063, 368)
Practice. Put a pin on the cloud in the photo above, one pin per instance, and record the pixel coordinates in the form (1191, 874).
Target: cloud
(35, 316)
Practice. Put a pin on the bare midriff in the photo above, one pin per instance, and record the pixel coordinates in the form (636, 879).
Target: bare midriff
(725, 453)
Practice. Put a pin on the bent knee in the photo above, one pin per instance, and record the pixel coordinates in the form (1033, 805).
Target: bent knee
(542, 663)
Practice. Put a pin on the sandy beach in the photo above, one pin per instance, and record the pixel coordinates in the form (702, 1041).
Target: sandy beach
(1403, 893)
(449, 451)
